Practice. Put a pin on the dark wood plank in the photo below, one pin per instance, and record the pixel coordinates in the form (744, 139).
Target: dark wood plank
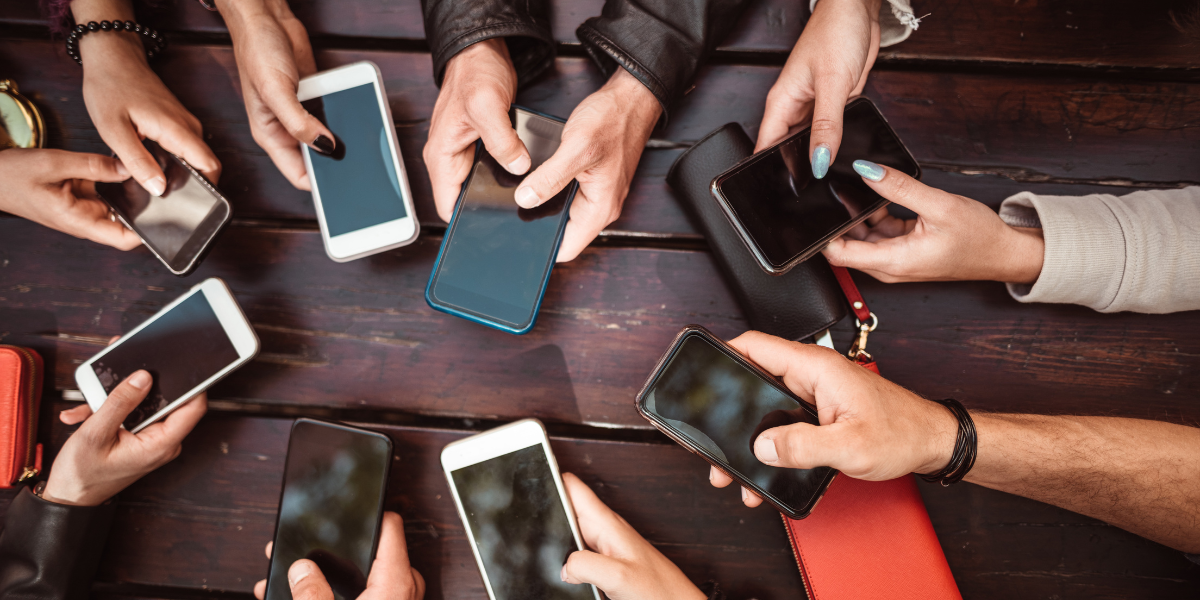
(1071, 32)
(359, 335)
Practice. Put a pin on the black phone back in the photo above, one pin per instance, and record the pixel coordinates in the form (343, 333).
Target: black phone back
(331, 506)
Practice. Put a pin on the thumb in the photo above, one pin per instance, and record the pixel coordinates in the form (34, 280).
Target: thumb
(307, 581)
(864, 256)
(123, 399)
(801, 446)
(282, 102)
(826, 132)
(552, 176)
(929, 203)
(90, 167)
(502, 142)
(604, 572)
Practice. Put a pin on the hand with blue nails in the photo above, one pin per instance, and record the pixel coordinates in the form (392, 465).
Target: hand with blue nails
(828, 66)
(952, 239)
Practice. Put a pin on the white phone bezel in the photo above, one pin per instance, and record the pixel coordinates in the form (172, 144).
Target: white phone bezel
(233, 321)
(382, 236)
(498, 442)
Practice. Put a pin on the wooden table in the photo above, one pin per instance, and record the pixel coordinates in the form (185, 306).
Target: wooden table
(992, 96)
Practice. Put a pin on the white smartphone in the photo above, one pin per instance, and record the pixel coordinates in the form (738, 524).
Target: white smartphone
(187, 346)
(511, 499)
(364, 205)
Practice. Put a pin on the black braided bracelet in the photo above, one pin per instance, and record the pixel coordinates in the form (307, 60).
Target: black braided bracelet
(157, 42)
(966, 446)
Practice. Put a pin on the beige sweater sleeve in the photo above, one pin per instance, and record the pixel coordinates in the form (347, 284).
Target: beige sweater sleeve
(1139, 252)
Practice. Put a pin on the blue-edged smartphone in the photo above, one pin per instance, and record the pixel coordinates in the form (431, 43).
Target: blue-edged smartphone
(496, 257)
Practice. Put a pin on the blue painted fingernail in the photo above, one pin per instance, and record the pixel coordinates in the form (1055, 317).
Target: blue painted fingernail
(820, 161)
(868, 169)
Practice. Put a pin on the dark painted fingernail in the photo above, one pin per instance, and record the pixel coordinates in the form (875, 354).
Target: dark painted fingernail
(820, 161)
(323, 145)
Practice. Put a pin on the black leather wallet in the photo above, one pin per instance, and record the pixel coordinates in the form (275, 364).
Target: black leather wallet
(794, 306)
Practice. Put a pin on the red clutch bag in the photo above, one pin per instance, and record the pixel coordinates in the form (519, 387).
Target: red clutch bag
(870, 539)
(20, 395)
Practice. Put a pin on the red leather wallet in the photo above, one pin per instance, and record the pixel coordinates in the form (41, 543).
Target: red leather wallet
(20, 395)
(870, 539)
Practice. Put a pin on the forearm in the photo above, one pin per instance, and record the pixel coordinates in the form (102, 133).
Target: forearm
(1142, 476)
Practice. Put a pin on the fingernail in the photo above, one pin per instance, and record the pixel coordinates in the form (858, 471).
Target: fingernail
(764, 449)
(121, 170)
(820, 161)
(868, 169)
(526, 197)
(745, 495)
(519, 166)
(710, 474)
(323, 145)
(563, 574)
(298, 572)
(155, 186)
(139, 380)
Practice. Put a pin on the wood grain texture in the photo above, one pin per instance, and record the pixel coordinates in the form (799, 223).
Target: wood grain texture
(1071, 32)
(359, 335)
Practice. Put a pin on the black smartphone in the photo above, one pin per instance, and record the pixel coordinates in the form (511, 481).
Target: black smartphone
(784, 215)
(496, 257)
(708, 398)
(178, 226)
(331, 506)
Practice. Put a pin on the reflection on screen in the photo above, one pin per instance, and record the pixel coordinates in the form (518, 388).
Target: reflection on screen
(499, 254)
(332, 499)
(786, 211)
(709, 398)
(186, 212)
(519, 525)
(359, 185)
(180, 350)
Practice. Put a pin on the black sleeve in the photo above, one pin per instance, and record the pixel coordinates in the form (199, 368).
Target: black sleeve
(451, 25)
(712, 591)
(50, 551)
(661, 42)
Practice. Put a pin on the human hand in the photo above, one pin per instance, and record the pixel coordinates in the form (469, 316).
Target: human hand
(101, 458)
(477, 90)
(952, 239)
(870, 428)
(56, 188)
(624, 565)
(601, 145)
(272, 52)
(128, 102)
(391, 575)
(828, 65)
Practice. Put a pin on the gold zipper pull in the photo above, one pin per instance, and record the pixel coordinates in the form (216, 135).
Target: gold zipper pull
(859, 349)
(29, 473)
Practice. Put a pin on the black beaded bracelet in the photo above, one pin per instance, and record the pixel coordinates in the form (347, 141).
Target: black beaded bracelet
(966, 446)
(156, 40)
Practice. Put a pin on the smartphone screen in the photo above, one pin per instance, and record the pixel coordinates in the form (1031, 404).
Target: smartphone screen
(787, 213)
(178, 225)
(707, 397)
(332, 502)
(497, 256)
(359, 185)
(519, 525)
(181, 349)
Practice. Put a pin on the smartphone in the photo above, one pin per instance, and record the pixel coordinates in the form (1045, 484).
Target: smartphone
(178, 226)
(519, 520)
(331, 506)
(189, 345)
(784, 215)
(496, 257)
(712, 401)
(361, 192)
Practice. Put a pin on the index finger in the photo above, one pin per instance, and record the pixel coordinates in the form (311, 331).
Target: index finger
(826, 134)
(594, 516)
(169, 432)
(391, 570)
(184, 143)
(799, 365)
(127, 145)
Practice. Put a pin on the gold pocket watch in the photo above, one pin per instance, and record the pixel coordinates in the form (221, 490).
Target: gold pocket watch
(21, 125)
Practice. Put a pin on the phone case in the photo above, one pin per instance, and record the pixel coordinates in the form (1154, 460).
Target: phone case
(481, 319)
(694, 449)
(21, 372)
(794, 306)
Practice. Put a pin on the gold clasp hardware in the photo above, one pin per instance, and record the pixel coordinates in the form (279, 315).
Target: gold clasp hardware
(859, 350)
(29, 473)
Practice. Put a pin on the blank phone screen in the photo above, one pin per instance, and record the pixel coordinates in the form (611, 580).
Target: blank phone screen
(181, 349)
(787, 212)
(498, 256)
(332, 501)
(707, 397)
(359, 185)
(519, 525)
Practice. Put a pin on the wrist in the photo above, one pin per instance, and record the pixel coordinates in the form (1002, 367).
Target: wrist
(942, 428)
(58, 494)
(106, 50)
(1025, 253)
(644, 104)
(237, 14)
(491, 51)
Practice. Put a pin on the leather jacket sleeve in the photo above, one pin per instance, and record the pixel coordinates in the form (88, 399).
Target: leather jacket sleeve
(50, 551)
(451, 25)
(661, 42)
